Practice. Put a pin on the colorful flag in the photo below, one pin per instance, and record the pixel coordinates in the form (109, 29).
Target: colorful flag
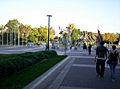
(60, 29)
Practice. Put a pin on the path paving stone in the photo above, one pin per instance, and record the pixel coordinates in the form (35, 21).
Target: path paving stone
(82, 74)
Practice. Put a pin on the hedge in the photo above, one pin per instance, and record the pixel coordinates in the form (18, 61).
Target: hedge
(14, 63)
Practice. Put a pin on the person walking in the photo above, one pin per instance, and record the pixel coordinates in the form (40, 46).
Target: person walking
(100, 58)
(113, 58)
(89, 49)
(84, 46)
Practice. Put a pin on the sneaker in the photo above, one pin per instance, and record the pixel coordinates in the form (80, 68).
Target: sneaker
(101, 76)
(113, 80)
(97, 75)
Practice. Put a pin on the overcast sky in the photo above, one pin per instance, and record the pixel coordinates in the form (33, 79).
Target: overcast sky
(85, 14)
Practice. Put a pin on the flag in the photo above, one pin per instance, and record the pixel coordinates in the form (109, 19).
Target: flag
(86, 36)
(69, 31)
(60, 29)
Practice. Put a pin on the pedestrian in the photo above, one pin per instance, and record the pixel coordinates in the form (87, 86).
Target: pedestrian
(89, 49)
(100, 58)
(113, 58)
(84, 46)
(46, 48)
(70, 46)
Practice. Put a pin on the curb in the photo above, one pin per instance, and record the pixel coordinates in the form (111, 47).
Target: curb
(56, 84)
(45, 80)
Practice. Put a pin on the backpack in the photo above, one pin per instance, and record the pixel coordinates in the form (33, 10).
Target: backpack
(101, 51)
(113, 56)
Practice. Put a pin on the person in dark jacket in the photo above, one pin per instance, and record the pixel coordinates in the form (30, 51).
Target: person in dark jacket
(101, 56)
(84, 46)
(89, 49)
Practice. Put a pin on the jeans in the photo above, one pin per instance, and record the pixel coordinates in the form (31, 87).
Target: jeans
(100, 67)
(112, 68)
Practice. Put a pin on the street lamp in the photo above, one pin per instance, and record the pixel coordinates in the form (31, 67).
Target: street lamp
(48, 30)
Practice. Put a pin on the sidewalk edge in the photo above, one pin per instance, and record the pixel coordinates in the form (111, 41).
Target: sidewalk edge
(44, 80)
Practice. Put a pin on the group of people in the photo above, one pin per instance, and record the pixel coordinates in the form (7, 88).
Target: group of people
(104, 55)
(87, 48)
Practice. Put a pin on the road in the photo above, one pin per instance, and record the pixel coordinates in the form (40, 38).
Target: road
(21, 49)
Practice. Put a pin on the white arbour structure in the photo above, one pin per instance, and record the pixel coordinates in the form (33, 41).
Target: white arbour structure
(6, 28)
(2, 36)
(18, 35)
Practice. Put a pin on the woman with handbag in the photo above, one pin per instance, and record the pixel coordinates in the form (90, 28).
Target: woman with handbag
(113, 58)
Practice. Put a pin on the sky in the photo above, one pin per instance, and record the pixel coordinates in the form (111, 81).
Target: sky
(85, 14)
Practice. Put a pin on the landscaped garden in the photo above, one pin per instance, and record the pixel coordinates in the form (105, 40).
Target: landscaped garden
(18, 70)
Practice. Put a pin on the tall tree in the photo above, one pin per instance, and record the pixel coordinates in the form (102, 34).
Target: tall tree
(12, 28)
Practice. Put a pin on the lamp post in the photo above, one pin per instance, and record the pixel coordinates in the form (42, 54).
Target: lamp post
(48, 30)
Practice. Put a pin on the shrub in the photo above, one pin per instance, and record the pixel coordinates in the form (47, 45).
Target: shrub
(6, 67)
(17, 62)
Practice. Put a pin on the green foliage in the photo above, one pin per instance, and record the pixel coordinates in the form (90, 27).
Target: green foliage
(20, 79)
(1, 27)
(13, 63)
(36, 35)
(71, 26)
(12, 24)
(40, 34)
(75, 34)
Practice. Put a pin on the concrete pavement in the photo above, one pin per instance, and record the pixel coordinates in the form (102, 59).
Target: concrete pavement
(81, 74)
(75, 72)
(78, 72)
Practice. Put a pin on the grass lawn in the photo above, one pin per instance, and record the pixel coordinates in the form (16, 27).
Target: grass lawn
(20, 79)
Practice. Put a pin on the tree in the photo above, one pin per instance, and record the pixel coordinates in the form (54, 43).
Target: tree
(12, 26)
(110, 37)
(24, 33)
(1, 27)
(73, 33)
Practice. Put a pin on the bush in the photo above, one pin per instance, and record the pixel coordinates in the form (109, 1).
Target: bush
(6, 67)
(45, 54)
(20, 61)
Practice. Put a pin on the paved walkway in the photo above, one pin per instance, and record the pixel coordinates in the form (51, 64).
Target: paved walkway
(77, 71)
(80, 73)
